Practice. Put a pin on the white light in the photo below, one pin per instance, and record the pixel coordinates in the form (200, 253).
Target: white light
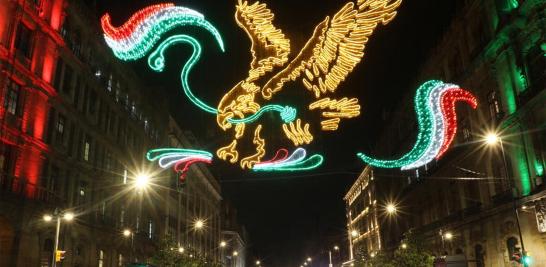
(69, 216)
(391, 208)
(48, 218)
(354, 233)
(181, 249)
(142, 181)
(336, 248)
(309, 259)
(235, 253)
(258, 262)
(404, 246)
(126, 232)
(199, 224)
(223, 244)
(492, 138)
(449, 236)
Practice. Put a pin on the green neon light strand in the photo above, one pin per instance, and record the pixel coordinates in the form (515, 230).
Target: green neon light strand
(288, 114)
(311, 163)
(155, 154)
(148, 39)
(425, 120)
(156, 61)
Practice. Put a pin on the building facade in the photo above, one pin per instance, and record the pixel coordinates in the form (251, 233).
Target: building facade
(75, 124)
(234, 253)
(473, 201)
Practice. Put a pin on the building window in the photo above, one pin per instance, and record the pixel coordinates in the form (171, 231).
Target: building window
(125, 176)
(150, 229)
(122, 216)
(495, 107)
(86, 149)
(24, 40)
(60, 128)
(11, 102)
(101, 258)
(120, 260)
(67, 80)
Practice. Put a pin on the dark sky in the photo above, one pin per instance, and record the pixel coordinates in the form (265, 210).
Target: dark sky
(291, 216)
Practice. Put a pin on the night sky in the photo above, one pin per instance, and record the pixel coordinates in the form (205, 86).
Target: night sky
(291, 216)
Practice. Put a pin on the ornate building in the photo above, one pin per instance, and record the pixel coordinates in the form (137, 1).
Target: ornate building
(74, 127)
(473, 201)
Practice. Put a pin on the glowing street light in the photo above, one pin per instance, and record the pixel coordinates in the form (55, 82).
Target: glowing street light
(448, 236)
(181, 249)
(199, 224)
(235, 253)
(69, 216)
(309, 259)
(354, 233)
(404, 246)
(258, 262)
(48, 218)
(223, 244)
(336, 248)
(492, 138)
(127, 233)
(391, 209)
(142, 181)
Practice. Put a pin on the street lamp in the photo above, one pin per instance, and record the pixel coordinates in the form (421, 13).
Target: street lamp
(354, 233)
(223, 244)
(258, 262)
(391, 209)
(199, 224)
(309, 259)
(404, 246)
(181, 249)
(142, 181)
(492, 139)
(448, 236)
(58, 216)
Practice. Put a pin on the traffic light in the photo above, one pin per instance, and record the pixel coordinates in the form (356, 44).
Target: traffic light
(59, 255)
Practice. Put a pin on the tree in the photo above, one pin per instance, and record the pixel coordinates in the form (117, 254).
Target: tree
(168, 255)
(411, 253)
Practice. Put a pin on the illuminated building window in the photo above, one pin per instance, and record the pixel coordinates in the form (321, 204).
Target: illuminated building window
(86, 149)
(495, 107)
(11, 102)
(101, 258)
(150, 229)
(60, 128)
(120, 260)
(110, 83)
(24, 40)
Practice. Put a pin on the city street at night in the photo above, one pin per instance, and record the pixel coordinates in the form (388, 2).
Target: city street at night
(272, 133)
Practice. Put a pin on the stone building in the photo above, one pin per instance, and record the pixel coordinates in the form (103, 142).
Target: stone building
(75, 124)
(468, 203)
(234, 253)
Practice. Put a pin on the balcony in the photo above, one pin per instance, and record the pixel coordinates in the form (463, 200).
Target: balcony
(16, 189)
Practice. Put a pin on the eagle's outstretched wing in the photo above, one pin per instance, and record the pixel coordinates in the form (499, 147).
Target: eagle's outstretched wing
(336, 47)
(270, 48)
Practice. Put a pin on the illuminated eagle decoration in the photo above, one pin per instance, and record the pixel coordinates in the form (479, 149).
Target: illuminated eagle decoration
(330, 54)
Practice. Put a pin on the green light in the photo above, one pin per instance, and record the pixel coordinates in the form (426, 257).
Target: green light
(156, 61)
(425, 120)
(539, 168)
(523, 170)
(155, 154)
(311, 163)
(288, 114)
(522, 79)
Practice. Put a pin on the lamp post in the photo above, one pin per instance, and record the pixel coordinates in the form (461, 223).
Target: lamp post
(493, 139)
(58, 216)
(128, 233)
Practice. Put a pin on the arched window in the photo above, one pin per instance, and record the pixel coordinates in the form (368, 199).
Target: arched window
(495, 106)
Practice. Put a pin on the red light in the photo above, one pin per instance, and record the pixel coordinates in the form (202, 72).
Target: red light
(129, 27)
(449, 99)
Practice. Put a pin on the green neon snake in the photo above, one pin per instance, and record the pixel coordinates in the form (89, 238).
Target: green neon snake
(156, 61)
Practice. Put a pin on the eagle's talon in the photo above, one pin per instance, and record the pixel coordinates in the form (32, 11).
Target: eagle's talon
(229, 152)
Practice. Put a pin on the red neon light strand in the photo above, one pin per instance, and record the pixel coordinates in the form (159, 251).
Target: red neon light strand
(186, 163)
(449, 100)
(281, 155)
(125, 30)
